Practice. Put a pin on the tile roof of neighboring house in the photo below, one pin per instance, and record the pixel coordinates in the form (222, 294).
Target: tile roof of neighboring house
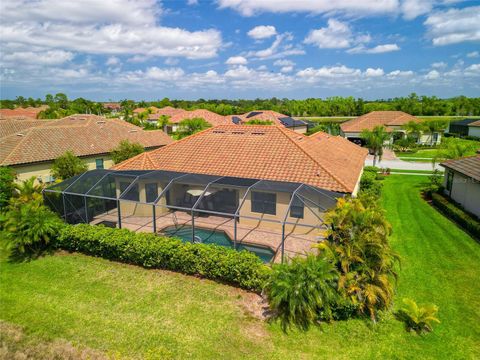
(112, 105)
(212, 118)
(166, 111)
(378, 118)
(475, 124)
(31, 112)
(267, 115)
(140, 110)
(82, 134)
(15, 125)
(469, 166)
(259, 152)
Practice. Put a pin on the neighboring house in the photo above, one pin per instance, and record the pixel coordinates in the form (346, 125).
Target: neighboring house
(462, 182)
(209, 116)
(276, 118)
(393, 121)
(114, 107)
(474, 129)
(28, 112)
(31, 146)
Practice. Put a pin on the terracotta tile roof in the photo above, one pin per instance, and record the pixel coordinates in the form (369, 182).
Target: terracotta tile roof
(212, 118)
(259, 152)
(15, 125)
(475, 123)
(140, 110)
(469, 166)
(31, 112)
(112, 106)
(82, 134)
(378, 118)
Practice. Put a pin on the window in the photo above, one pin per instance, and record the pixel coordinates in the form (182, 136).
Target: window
(99, 163)
(297, 208)
(449, 180)
(265, 203)
(151, 192)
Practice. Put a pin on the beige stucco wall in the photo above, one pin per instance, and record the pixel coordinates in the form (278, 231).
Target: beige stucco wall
(41, 171)
(130, 208)
(474, 131)
(465, 191)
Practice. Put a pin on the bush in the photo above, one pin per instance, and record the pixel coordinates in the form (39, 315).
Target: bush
(67, 166)
(417, 318)
(370, 184)
(7, 179)
(126, 150)
(302, 291)
(371, 169)
(29, 228)
(243, 269)
(457, 214)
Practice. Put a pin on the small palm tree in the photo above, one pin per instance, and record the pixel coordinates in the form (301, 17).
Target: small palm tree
(163, 122)
(191, 126)
(375, 140)
(300, 290)
(28, 191)
(417, 318)
(414, 129)
(432, 127)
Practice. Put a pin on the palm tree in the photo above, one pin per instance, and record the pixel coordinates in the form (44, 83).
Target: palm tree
(414, 128)
(28, 191)
(375, 140)
(163, 122)
(192, 126)
(300, 290)
(434, 126)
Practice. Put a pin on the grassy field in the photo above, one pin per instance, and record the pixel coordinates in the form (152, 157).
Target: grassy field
(94, 306)
(333, 119)
(412, 171)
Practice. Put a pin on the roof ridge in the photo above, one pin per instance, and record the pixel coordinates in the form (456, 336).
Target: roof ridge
(285, 132)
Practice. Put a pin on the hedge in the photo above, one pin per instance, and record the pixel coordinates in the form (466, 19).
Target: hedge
(239, 268)
(457, 214)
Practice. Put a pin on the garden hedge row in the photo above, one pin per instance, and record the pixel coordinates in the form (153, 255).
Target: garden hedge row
(242, 269)
(457, 214)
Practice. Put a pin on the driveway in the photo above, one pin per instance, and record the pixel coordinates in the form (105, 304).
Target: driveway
(404, 165)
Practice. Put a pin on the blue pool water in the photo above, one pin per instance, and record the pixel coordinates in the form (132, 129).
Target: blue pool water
(207, 236)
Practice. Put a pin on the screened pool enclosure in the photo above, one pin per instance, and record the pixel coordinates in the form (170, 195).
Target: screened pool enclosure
(282, 217)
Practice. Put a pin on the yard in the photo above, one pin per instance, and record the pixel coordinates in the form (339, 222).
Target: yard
(101, 307)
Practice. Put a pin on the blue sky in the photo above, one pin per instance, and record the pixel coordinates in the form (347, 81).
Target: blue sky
(147, 49)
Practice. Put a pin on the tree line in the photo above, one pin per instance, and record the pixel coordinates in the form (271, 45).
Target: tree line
(60, 105)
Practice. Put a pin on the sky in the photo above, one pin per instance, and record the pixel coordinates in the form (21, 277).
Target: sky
(217, 49)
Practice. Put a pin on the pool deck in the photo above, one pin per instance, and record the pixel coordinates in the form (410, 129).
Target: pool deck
(295, 244)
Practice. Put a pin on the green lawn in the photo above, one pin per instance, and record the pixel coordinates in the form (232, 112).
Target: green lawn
(127, 311)
(428, 153)
(412, 171)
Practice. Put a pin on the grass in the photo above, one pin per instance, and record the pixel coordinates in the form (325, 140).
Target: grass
(428, 153)
(412, 171)
(334, 119)
(126, 311)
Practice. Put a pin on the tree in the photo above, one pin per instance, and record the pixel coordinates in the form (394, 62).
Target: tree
(27, 191)
(434, 126)
(302, 289)
(68, 165)
(375, 140)
(7, 185)
(191, 126)
(163, 122)
(414, 129)
(125, 150)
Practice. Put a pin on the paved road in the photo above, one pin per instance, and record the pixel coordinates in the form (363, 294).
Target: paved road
(404, 165)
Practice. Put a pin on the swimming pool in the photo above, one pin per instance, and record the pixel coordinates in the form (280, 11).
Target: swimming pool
(207, 236)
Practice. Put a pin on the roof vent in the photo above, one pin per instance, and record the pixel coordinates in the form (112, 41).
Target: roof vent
(20, 134)
(132, 130)
(238, 132)
(258, 133)
(101, 122)
(218, 132)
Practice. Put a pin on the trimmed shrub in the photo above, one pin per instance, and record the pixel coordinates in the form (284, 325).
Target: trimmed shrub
(370, 184)
(240, 268)
(457, 214)
(371, 169)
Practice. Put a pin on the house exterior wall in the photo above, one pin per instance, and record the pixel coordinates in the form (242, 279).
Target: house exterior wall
(41, 171)
(300, 129)
(464, 190)
(474, 131)
(424, 138)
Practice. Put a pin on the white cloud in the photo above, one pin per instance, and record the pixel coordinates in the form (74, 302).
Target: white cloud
(432, 75)
(374, 72)
(280, 48)
(262, 32)
(283, 62)
(112, 61)
(192, 2)
(328, 72)
(439, 65)
(50, 57)
(286, 69)
(366, 7)
(236, 60)
(413, 8)
(171, 61)
(473, 70)
(399, 73)
(168, 74)
(379, 49)
(454, 26)
(111, 27)
(473, 54)
(336, 35)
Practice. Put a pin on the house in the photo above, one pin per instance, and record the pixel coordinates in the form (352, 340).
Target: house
(264, 189)
(209, 116)
(31, 146)
(28, 112)
(274, 117)
(462, 182)
(393, 121)
(474, 129)
(114, 107)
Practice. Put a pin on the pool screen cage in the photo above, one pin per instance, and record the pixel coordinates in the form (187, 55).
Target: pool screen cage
(153, 200)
